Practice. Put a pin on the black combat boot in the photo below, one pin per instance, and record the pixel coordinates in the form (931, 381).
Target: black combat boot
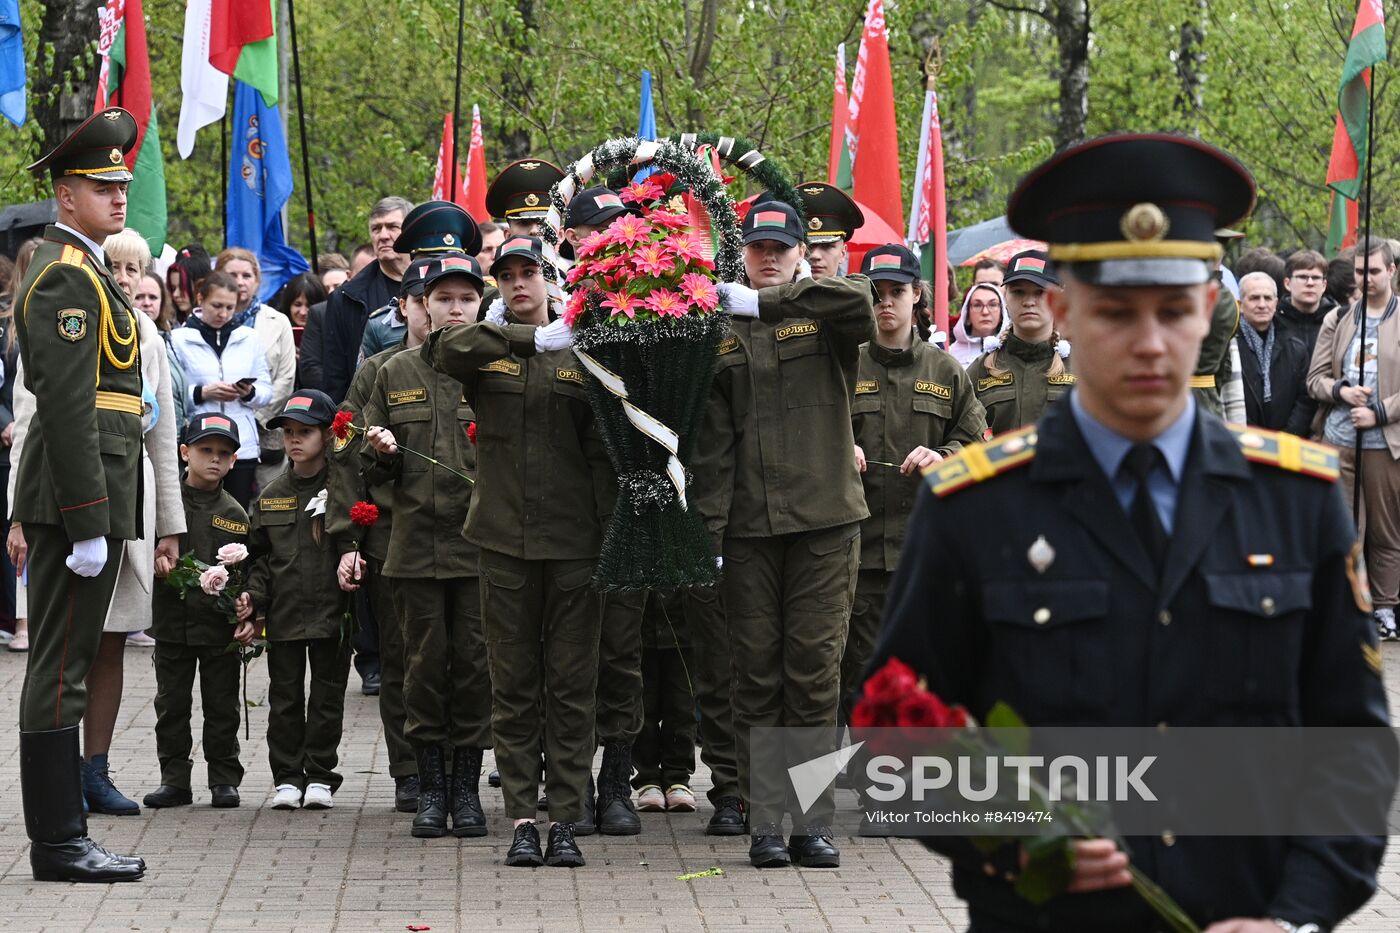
(467, 818)
(615, 814)
(52, 787)
(431, 820)
(406, 794)
(563, 852)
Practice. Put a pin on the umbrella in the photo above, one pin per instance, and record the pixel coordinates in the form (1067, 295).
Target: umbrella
(969, 241)
(1002, 252)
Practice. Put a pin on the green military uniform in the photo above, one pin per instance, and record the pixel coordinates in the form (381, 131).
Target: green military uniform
(294, 591)
(447, 686)
(194, 634)
(779, 488)
(1213, 364)
(1014, 383)
(919, 397)
(544, 486)
(345, 486)
(79, 482)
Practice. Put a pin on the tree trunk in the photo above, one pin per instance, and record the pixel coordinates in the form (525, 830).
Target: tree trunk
(516, 86)
(1190, 69)
(1072, 35)
(700, 60)
(64, 80)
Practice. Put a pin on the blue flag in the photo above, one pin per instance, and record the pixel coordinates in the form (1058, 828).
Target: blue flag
(259, 183)
(646, 120)
(12, 101)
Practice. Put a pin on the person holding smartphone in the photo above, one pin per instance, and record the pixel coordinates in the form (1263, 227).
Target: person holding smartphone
(225, 371)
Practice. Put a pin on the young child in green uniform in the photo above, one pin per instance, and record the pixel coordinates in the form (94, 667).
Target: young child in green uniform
(292, 590)
(192, 633)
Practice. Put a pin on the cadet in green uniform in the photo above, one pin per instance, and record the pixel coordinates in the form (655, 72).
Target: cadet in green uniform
(1213, 367)
(1016, 381)
(78, 491)
(292, 590)
(447, 685)
(780, 489)
(1130, 561)
(363, 566)
(545, 486)
(194, 632)
(832, 219)
(520, 194)
(913, 406)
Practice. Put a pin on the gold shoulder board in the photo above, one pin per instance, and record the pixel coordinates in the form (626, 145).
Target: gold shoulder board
(1286, 451)
(982, 461)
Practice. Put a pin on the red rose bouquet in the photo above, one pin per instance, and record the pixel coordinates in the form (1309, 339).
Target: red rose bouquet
(896, 699)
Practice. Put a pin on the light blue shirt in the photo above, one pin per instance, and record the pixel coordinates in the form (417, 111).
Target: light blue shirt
(1109, 448)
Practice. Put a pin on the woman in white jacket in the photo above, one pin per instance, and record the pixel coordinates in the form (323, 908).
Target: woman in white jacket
(225, 371)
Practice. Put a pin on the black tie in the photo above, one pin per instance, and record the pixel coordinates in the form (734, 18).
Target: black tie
(1141, 460)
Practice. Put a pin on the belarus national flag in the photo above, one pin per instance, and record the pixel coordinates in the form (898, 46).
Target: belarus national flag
(243, 43)
(1347, 166)
(125, 81)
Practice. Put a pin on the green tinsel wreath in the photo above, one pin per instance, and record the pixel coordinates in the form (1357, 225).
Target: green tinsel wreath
(744, 154)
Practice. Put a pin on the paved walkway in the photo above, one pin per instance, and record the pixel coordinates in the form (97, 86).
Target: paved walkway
(356, 868)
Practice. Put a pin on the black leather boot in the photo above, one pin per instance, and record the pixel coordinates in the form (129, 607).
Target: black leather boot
(811, 847)
(585, 825)
(431, 820)
(467, 818)
(563, 852)
(766, 847)
(615, 814)
(51, 783)
(406, 794)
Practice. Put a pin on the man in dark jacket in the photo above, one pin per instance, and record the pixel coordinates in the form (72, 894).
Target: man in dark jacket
(1273, 362)
(349, 306)
(311, 373)
(1301, 311)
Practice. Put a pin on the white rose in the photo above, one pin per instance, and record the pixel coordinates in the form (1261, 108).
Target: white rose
(231, 554)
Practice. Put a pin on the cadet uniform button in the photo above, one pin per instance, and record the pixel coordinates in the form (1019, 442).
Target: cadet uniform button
(1042, 615)
(1267, 605)
(1165, 617)
(1168, 838)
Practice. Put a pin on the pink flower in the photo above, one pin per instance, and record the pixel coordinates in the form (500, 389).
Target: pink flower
(641, 192)
(628, 230)
(668, 220)
(576, 305)
(686, 246)
(654, 259)
(214, 579)
(231, 554)
(591, 244)
(667, 303)
(581, 271)
(700, 291)
(622, 303)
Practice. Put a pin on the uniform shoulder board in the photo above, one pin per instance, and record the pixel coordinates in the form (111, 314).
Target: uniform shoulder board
(982, 461)
(379, 312)
(1286, 451)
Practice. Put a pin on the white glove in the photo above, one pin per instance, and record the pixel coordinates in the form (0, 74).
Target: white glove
(496, 314)
(555, 335)
(88, 557)
(739, 299)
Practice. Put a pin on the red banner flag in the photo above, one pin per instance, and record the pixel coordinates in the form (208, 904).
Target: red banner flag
(928, 215)
(475, 202)
(443, 171)
(875, 156)
(839, 156)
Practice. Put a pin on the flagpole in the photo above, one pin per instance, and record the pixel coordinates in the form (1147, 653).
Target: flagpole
(1365, 287)
(223, 170)
(456, 101)
(301, 127)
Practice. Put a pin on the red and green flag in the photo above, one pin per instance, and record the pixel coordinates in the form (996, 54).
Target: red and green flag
(1347, 167)
(243, 43)
(125, 81)
(838, 160)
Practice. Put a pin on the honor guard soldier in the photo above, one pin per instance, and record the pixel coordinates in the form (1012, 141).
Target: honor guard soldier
(1131, 561)
(1016, 381)
(78, 493)
(363, 567)
(520, 194)
(780, 493)
(832, 219)
(913, 406)
(1214, 367)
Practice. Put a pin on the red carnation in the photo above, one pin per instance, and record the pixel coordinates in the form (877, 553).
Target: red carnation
(340, 427)
(471, 431)
(364, 514)
(924, 710)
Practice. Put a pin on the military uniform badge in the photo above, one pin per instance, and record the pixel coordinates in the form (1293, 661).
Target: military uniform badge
(72, 324)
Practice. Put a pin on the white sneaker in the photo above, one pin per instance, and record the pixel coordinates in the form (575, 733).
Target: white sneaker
(287, 798)
(650, 799)
(318, 797)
